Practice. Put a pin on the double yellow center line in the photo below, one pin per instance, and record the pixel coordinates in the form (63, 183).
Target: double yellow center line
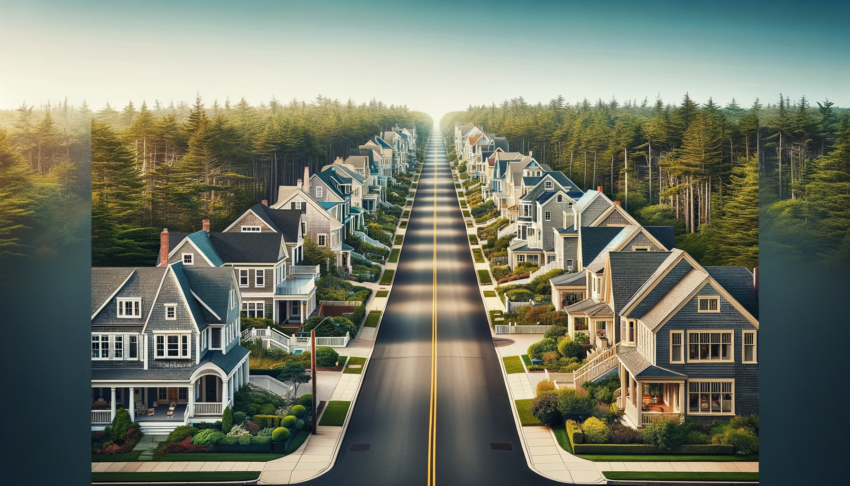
(432, 419)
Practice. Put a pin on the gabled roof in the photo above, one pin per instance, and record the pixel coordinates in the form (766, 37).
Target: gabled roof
(639, 366)
(328, 204)
(664, 234)
(672, 257)
(591, 308)
(738, 281)
(629, 270)
(284, 221)
(595, 239)
(185, 289)
(200, 240)
(382, 143)
(208, 285)
(530, 181)
(575, 279)
(235, 247)
(616, 243)
(674, 297)
(545, 196)
(565, 182)
(106, 282)
(466, 128)
(586, 199)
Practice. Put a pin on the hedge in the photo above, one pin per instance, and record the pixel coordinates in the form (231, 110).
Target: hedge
(646, 449)
(267, 421)
(232, 444)
(574, 433)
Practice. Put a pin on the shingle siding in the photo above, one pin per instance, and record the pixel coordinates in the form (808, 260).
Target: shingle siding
(641, 240)
(186, 247)
(557, 210)
(593, 211)
(660, 290)
(614, 219)
(250, 219)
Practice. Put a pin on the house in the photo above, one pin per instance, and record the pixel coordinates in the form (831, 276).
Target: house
(165, 344)
(461, 132)
(359, 184)
(271, 285)
(334, 186)
(682, 337)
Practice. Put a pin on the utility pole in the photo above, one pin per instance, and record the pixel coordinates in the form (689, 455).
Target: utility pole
(313, 372)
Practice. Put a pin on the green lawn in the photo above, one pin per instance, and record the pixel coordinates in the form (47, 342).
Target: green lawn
(405, 215)
(489, 293)
(473, 239)
(355, 361)
(483, 276)
(463, 204)
(680, 476)
(526, 359)
(493, 315)
(513, 365)
(222, 456)
(403, 224)
(297, 441)
(668, 458)
(382, 293)
(523, 408)
(374, 316)
(563, 439)
(335, 412)
(394, 255)
(457, 186)
(466, 214)
(387, 277)
(125, 457)
(459, 193)
(479, 257)
(173, 477)
(398, 239)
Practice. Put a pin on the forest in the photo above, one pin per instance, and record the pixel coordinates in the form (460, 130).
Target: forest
(695, 166)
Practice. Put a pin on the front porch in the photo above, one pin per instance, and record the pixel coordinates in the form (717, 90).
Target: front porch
(294, 300)
(653, 395)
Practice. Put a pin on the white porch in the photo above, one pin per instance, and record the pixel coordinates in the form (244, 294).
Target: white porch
(647, 401)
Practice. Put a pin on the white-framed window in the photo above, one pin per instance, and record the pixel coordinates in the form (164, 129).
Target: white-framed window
(547, 216)
(677, 345)
(295, 307)
(118, 346)
(520, 258)
(259, 277)
(303, 227)
(710, 346)
(232, 300)
(547, 184)
(560, 198)
(114, 346)
(749, 353)
(254, 309)
(215, 338)
(708, 304)
(170, 312)
(631, 336)
(243, 277)
(100, 346)
(188, 259)
(711, 397)
(132, 347)
(251, 229)
(640, 248)
(320, 191)
(129, 307)
(322, 239)
(204, 339)
(296, 205)
(162, 394)
(172, 346)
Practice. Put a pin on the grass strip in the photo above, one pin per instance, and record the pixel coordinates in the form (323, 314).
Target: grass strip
(403, 224)
(354, 361)
(222, 456)
(387, 277)
(173, 477)
(466, 214)
(669, 458)
(479, 257)
(489, 293)
(526, 359)
(382, 293)
(483, 276)
(405, 215)
(513, 365)
(375, 316)
(523, 408)
(462, 203)
(473, 239)
(398, 239)
(680, 476)
(335, 413)
(563, 440)
(340, 361)
(297, 441)
(493, 315)
(394, 255)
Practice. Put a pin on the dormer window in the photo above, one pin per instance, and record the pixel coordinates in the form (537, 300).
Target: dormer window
(251, 229)
(709, 304)
(170, 312)
(548, 184)
(129, 308)
(188, 259)
(320, 191)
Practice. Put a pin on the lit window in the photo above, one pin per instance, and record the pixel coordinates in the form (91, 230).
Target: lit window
(129, 308)
(710, 397)
(709, 304)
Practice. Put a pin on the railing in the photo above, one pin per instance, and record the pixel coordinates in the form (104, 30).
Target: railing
(297, 287)
(368, 239)
(314, 270)
(186, 414)
(101, 416)
(340, 303)
(632, 412)
(535, 241)
(545, 268)
(508, 230)
(270, 384)
(649, 418)
(602, 342)
(334, 341)
(602, 363)
(521, 329)
(209, 408)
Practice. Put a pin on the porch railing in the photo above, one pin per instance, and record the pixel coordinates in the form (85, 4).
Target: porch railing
(500, 329)
(602, 363)
(271, 384)
(508, 230)
(314, 270)
(296, 287)
(545, 268)
(101, 416)
(209, 408)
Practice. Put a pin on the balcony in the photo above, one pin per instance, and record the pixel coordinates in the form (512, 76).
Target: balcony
(313, 270)
(297, 285)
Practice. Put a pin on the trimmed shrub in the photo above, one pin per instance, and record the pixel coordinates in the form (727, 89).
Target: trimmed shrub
(623, 434)
(280, 434)
(544, 386)
(253, 408)
(185, 446)
(556, 332)
(551, 357)
(574, 433)
(208, 425)
(537, 349)
(245, 443)
(288, 421)
(306, 400)
(298, 410)
(595, 431)
(645, 449)
(545, 408)
(326, 357)
(121, 424)
(266, 421)
(743, 440)
(268, 409)
(569, 348)
(239, 417)
(207, 437)
(570, 401)
(267, 432)
(667, 435)
(180, 433)
(520, 295)
(226, 420)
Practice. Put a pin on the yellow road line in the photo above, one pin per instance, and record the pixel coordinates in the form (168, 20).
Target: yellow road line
(432, 420)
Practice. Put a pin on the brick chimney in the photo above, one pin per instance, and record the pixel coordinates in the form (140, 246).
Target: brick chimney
(756, 280)
(265, 202)
(306, 187)
(206, 224)
(617, 203)
(599, 188)
(163, 248)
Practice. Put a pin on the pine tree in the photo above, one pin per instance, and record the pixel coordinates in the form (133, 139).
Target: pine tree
(735, 235)
(15, 183)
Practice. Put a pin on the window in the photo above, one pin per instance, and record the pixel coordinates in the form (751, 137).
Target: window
(548, 184)
(170, 312)
(749, 340)
(118, 348)
(295, 307)
(215, 339)
(320, 191)
(709, 304)
(172, 346)
(569, 264)
(259, 277)
(631, 324)
(676, 355)
(204, 339)
(100, 346)
(710, 346)
(560, 198)
(188, 259)
(129, 308)
(243, 277)
(640, 248)
(711, 397)
(303, 227)
(547, 216)
(162, 394)
(323, 239)
(253, 309)
(520, 258)
(182, 393)
(251, 229)
(295, 205)
(232, 298)
(133, 351)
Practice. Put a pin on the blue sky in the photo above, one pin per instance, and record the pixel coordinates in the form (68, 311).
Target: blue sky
(433, 57)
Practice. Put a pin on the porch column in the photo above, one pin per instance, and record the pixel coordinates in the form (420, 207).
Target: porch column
(632, 389)
(571, 326)
(622, 371)
(191, 393)
(112, 404)
(682, 403)
(225, 389)
(246, 370)
(303, 310)
(131, 407)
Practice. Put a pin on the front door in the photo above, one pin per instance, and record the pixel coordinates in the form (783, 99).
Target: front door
(209, 386)
(295, 306)
(172, 395)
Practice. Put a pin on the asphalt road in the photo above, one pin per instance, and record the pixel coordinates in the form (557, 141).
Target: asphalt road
(472, 412)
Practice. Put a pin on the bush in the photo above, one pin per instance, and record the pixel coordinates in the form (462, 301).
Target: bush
(208, 425)
(622, 434)
(596, 431)
(750, 422)
(252, 427)
(744, 441)
(603, 394)
(306, 400)
(556, 332)
(185, 446)
(268, 409)
(253, 408)
(180, 433)
(544, 386)
(571, 367)
(120, 424)
(245, 443)
(280, 434)
(545, 408)
(267, 432)
(298, 410)
(326, 357)
(537, 349)
(551, 357)
(582, 338)
(574, 433)
(569, 348)
(667, 435)
(207, 437)
(226, 420)
(288, 421)
(570, 401)
(644, 449)
(520, 295)
(266, 421)
(239, 417)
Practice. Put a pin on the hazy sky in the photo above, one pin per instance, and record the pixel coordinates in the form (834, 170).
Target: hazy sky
(432, 56)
